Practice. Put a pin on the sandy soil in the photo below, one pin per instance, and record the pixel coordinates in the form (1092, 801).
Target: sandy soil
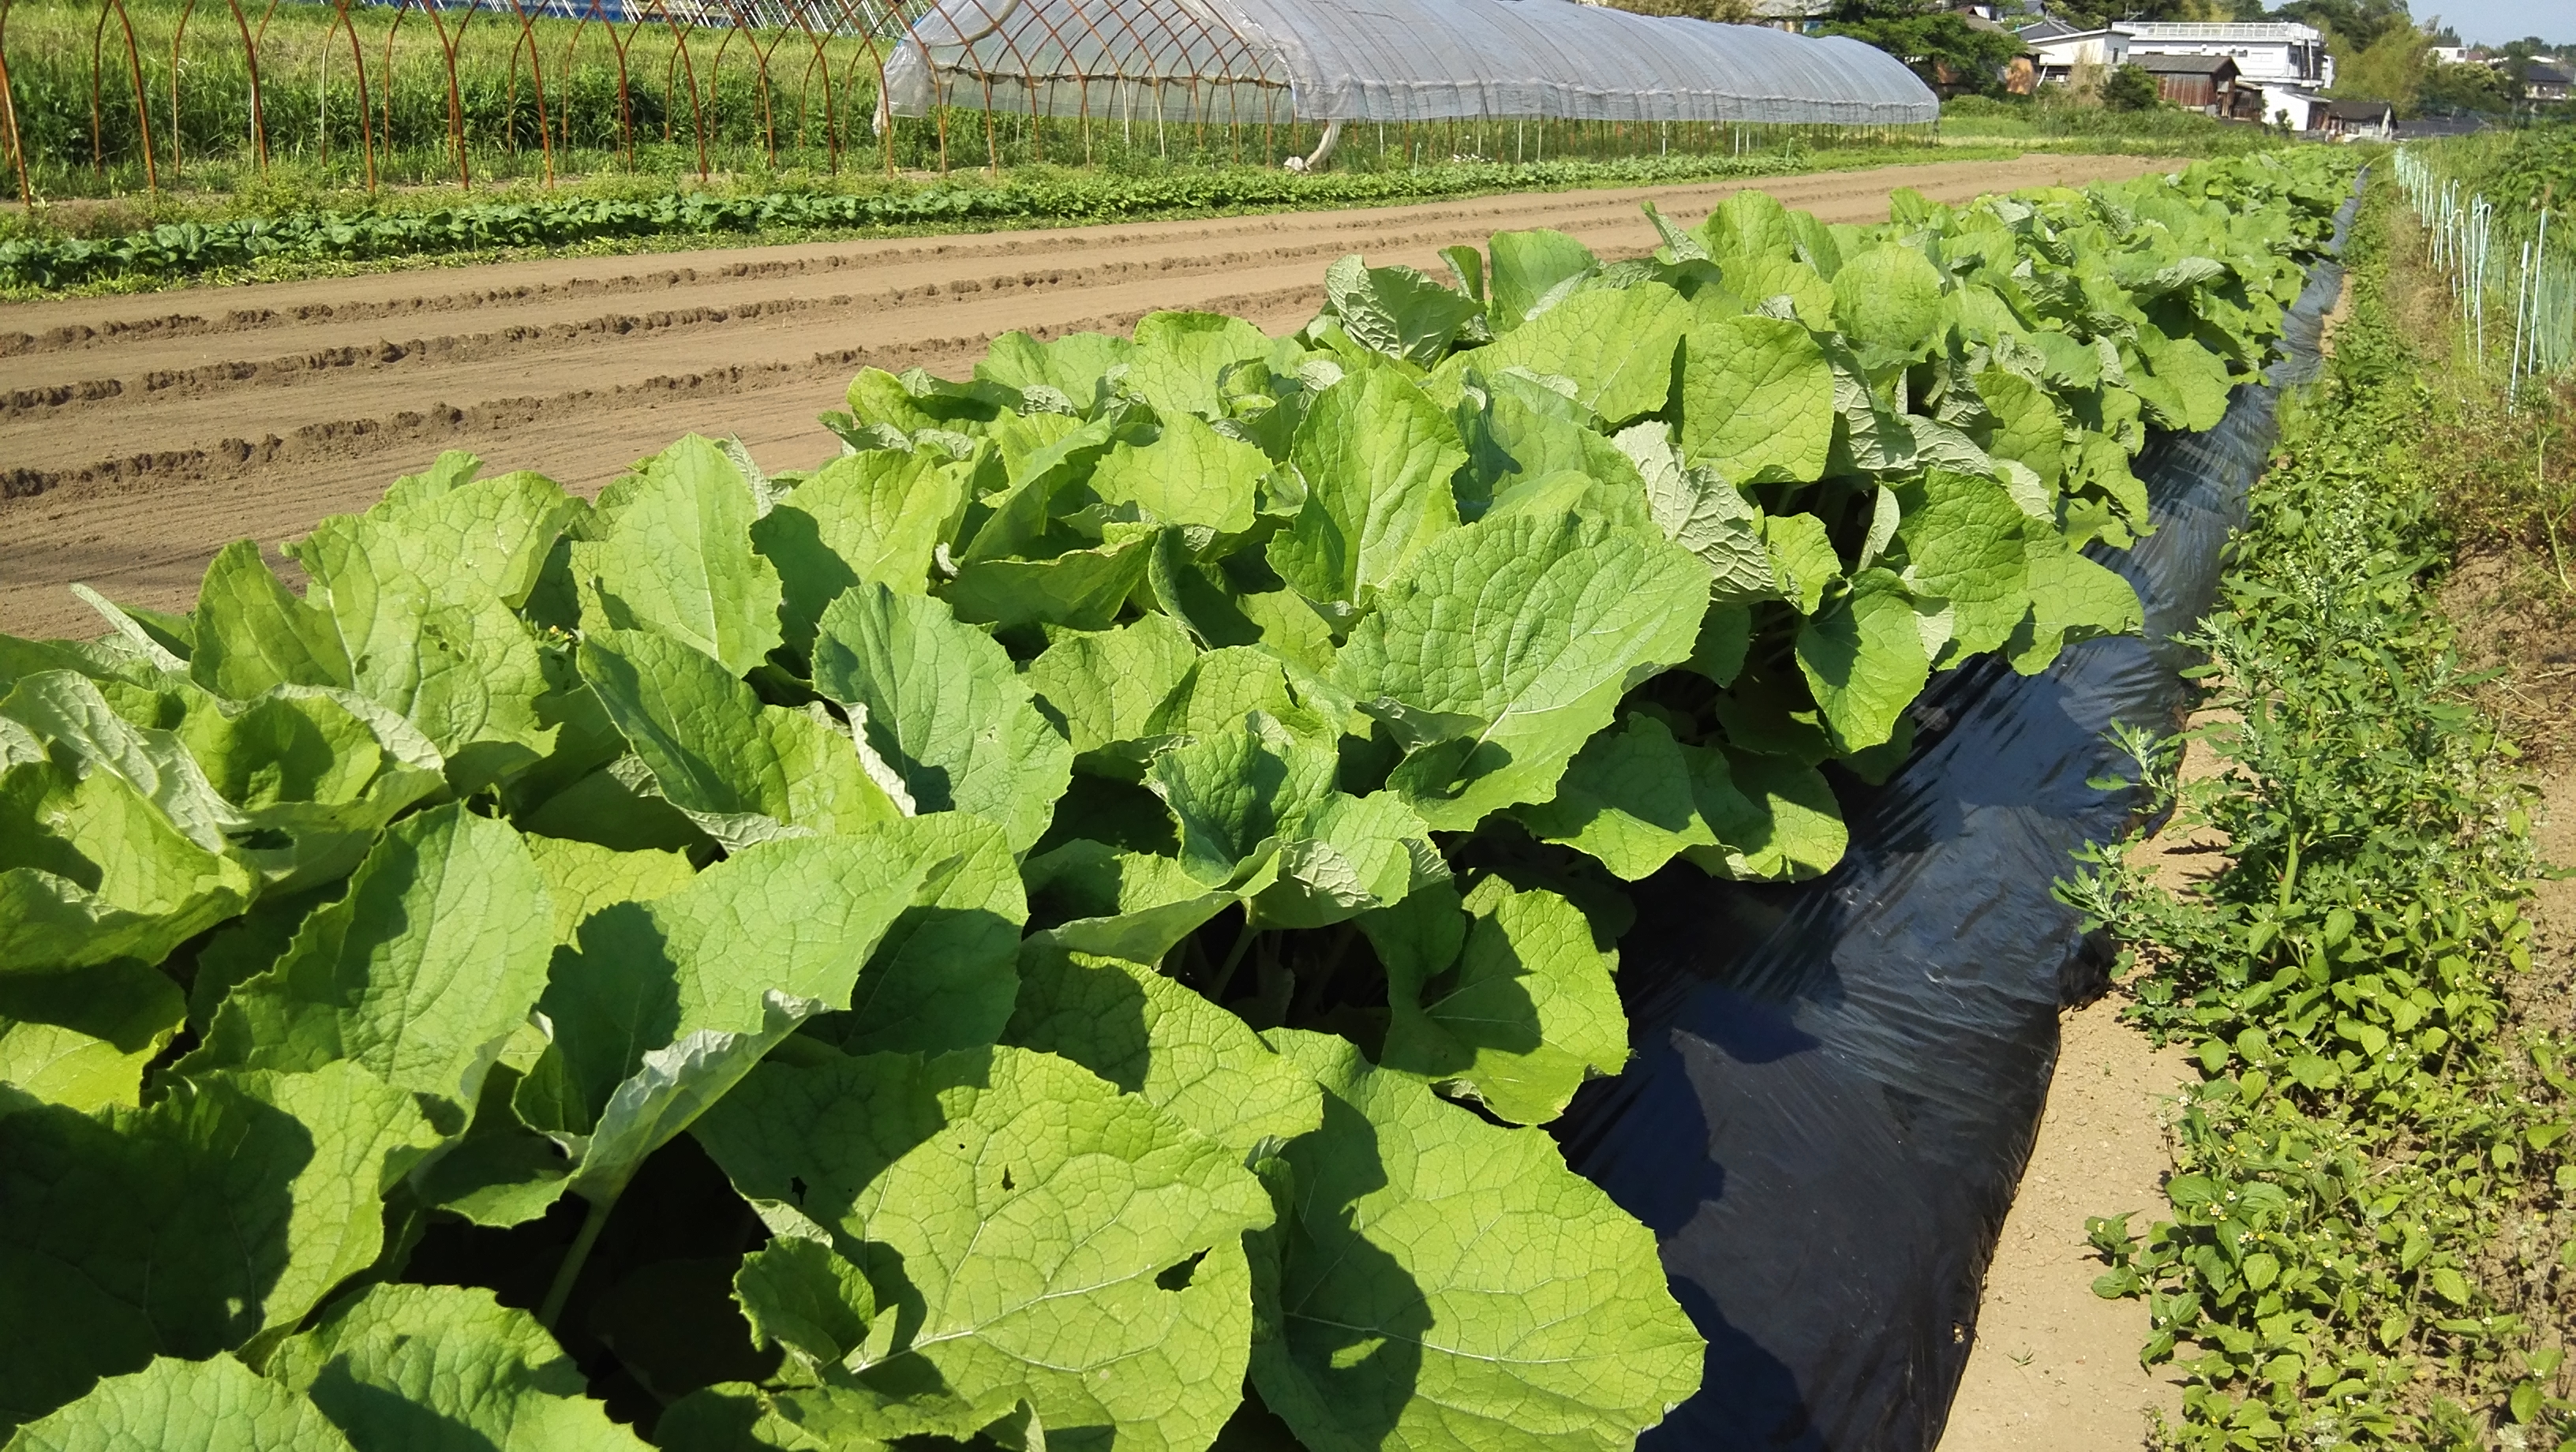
(138, 434)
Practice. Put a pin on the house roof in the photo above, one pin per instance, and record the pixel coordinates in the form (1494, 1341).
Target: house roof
(2266, 33)
(2371, 111)
(2048, 30)
(2182, 65)
(2546, 73)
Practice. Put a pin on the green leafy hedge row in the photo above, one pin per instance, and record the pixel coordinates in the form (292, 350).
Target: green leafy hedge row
(1066, 920)
(179, 250)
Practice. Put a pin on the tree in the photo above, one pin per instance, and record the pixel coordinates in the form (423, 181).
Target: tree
(2357, 24)
(2130, 88)
(1724, 12)
(1942, 47)
(2466, 86)
(2391, 69)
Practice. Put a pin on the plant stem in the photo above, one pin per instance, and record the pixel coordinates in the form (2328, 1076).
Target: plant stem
(570, 1270)
(1233, 956)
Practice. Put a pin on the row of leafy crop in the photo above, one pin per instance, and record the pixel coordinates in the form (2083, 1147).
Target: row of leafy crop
(2366, 1124)
(1066, 920)
(179, 250)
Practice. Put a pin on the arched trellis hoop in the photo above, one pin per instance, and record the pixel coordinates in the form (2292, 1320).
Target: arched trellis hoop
(1177, 80)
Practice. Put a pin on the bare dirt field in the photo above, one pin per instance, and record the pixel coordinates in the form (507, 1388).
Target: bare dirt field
(138, 434)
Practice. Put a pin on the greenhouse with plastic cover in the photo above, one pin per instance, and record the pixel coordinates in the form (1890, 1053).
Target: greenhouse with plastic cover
(1430, 79)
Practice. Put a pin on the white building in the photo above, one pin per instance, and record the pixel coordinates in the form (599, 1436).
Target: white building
(2278, 52)
(2059, 51)
(2296, 107)
(2286, 61)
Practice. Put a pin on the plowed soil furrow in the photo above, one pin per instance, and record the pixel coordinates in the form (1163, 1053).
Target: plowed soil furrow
(138, 434)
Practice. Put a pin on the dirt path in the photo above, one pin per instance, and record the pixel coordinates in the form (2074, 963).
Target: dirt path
(138, 434)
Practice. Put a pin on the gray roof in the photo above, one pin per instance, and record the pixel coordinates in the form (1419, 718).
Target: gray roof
(2048, 30)
(2359, 110)
(2180, 65)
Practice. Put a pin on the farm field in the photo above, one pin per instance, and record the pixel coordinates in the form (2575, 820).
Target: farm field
(137, 434)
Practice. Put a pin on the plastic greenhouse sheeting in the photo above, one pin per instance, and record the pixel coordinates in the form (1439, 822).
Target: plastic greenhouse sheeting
(1837, 1083)
(1386, 60)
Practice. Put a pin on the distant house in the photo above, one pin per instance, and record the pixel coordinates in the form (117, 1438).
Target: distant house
(2059, 51)
(2546, 80)
(2295, 107)
(2203, 83)
(2267, 54)
(2359, 120)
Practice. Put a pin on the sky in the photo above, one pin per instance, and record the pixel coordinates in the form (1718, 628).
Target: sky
(2493, 22)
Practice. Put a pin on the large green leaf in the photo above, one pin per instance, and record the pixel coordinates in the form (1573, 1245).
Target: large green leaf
(325, 770)
(2186, 385)
(741, 770)
(805, 1298)
(81, 1039)
(228, 1208)
(944, 707)
(1237, 788)
(1190, 474)
(1887, 301)
(1225, 683)
(1104, 686)
(1757, 400)
(1509, 644)
(1037, 1233)
(1376, 455)
(2028, 429)
(91, 871)
(423, 589)
(1348, 855)
(1396, 311)
(253, 633)
(1081, 589)
(1179, 357)
(1533, 271)
(1153, 1037)
(665, 1005)
(1616, 344)
(583, 877)
(1963, 542)
(671, 552)
(1440, 1284)
(2071, 599)
(1635, 798)
(1520, 1019)
(445, 1369)
(175, 1405)
(1131, 905)
(875, 517)
(1699, 510)
(943, 976)
(1072, 365)
(432, 958)
(1863, 656)
(66, 709)
(1796, 831)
